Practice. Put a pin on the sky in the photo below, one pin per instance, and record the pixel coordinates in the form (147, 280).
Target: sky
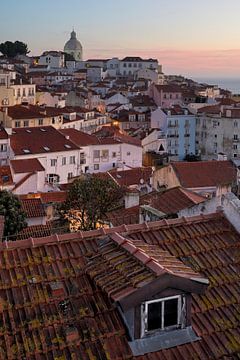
(195, 38)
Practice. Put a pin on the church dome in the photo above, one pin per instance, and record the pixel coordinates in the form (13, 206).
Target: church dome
(73, 43)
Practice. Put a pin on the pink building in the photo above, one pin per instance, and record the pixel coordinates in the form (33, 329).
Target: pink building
(165, 96)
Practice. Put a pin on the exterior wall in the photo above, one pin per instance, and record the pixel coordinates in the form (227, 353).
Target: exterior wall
(181, 135)
(117, 99)
(208, 207)
(94, 74)
(45, 98)
(5, 151)
(59, 169)
(52, 61)
(180, 131)
(37, 221)
(118, 155)
(215, 134)
(165, 99)
(153, 142)
(55, 121)
(148, 75)
(165, 177)
(6, 96)
(128, 68)
(24, 93)
(72, 99)
(231, 208)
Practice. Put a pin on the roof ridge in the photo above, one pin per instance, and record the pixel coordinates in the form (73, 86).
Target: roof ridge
(108, 231)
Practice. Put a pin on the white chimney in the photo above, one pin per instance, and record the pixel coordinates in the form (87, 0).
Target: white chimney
(131, 198)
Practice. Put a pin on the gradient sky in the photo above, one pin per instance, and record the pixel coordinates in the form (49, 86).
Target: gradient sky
(189, 37)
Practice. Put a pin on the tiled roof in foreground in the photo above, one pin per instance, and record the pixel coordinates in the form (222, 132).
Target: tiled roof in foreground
(50, 308)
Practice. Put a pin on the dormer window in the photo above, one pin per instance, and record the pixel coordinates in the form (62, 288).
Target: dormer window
(162, 314)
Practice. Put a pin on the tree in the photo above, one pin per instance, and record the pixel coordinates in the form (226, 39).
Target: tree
(14, 216)
(88, 201)
(12, 49)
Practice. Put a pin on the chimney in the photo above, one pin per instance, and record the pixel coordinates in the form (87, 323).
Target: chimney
(131, 198)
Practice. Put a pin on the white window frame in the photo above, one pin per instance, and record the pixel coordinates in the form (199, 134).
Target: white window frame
(144, 313)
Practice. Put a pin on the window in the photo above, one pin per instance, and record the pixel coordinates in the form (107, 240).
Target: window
(114, 154)
(3, 147)
(128, 153)
(72, 159)
(53, 120)
(40, 122)
(96, 166)
(70, 175)
(132, 117)
(235, 137)
(82, 158)
(53, 162)
(64, 161)
(235, 146)
(26, 123)
(96, 155)
(104, 155)
(235, 124)
(161, 314)
(53, 178)
(17, 124)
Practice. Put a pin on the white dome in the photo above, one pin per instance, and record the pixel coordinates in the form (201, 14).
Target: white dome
(73, 43)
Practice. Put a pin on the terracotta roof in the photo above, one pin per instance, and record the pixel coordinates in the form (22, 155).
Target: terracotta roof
(22, 180)
(173, 200)
(205, 173)
(53, 197)
(38, 140)
(148, 262)
(210, 109)
(132, 176)
(5, 175)
(168, 202)
(35, 231)
(112, 134)
(26, 166)
(3, 134)
(32, 111)
(80, 138)
(46, 289)
(169, 88)
(33, 207)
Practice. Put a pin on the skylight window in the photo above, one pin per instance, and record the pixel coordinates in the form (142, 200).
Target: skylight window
(26, 151)
(67, 146)
(28, 131)
(46, 148)
(162, 314)
(43, 130)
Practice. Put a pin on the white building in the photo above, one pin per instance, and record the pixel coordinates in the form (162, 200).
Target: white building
(130, 65)
(53, 59)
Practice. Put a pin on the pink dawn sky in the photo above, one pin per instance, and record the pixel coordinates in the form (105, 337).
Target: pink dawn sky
(189, 37)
